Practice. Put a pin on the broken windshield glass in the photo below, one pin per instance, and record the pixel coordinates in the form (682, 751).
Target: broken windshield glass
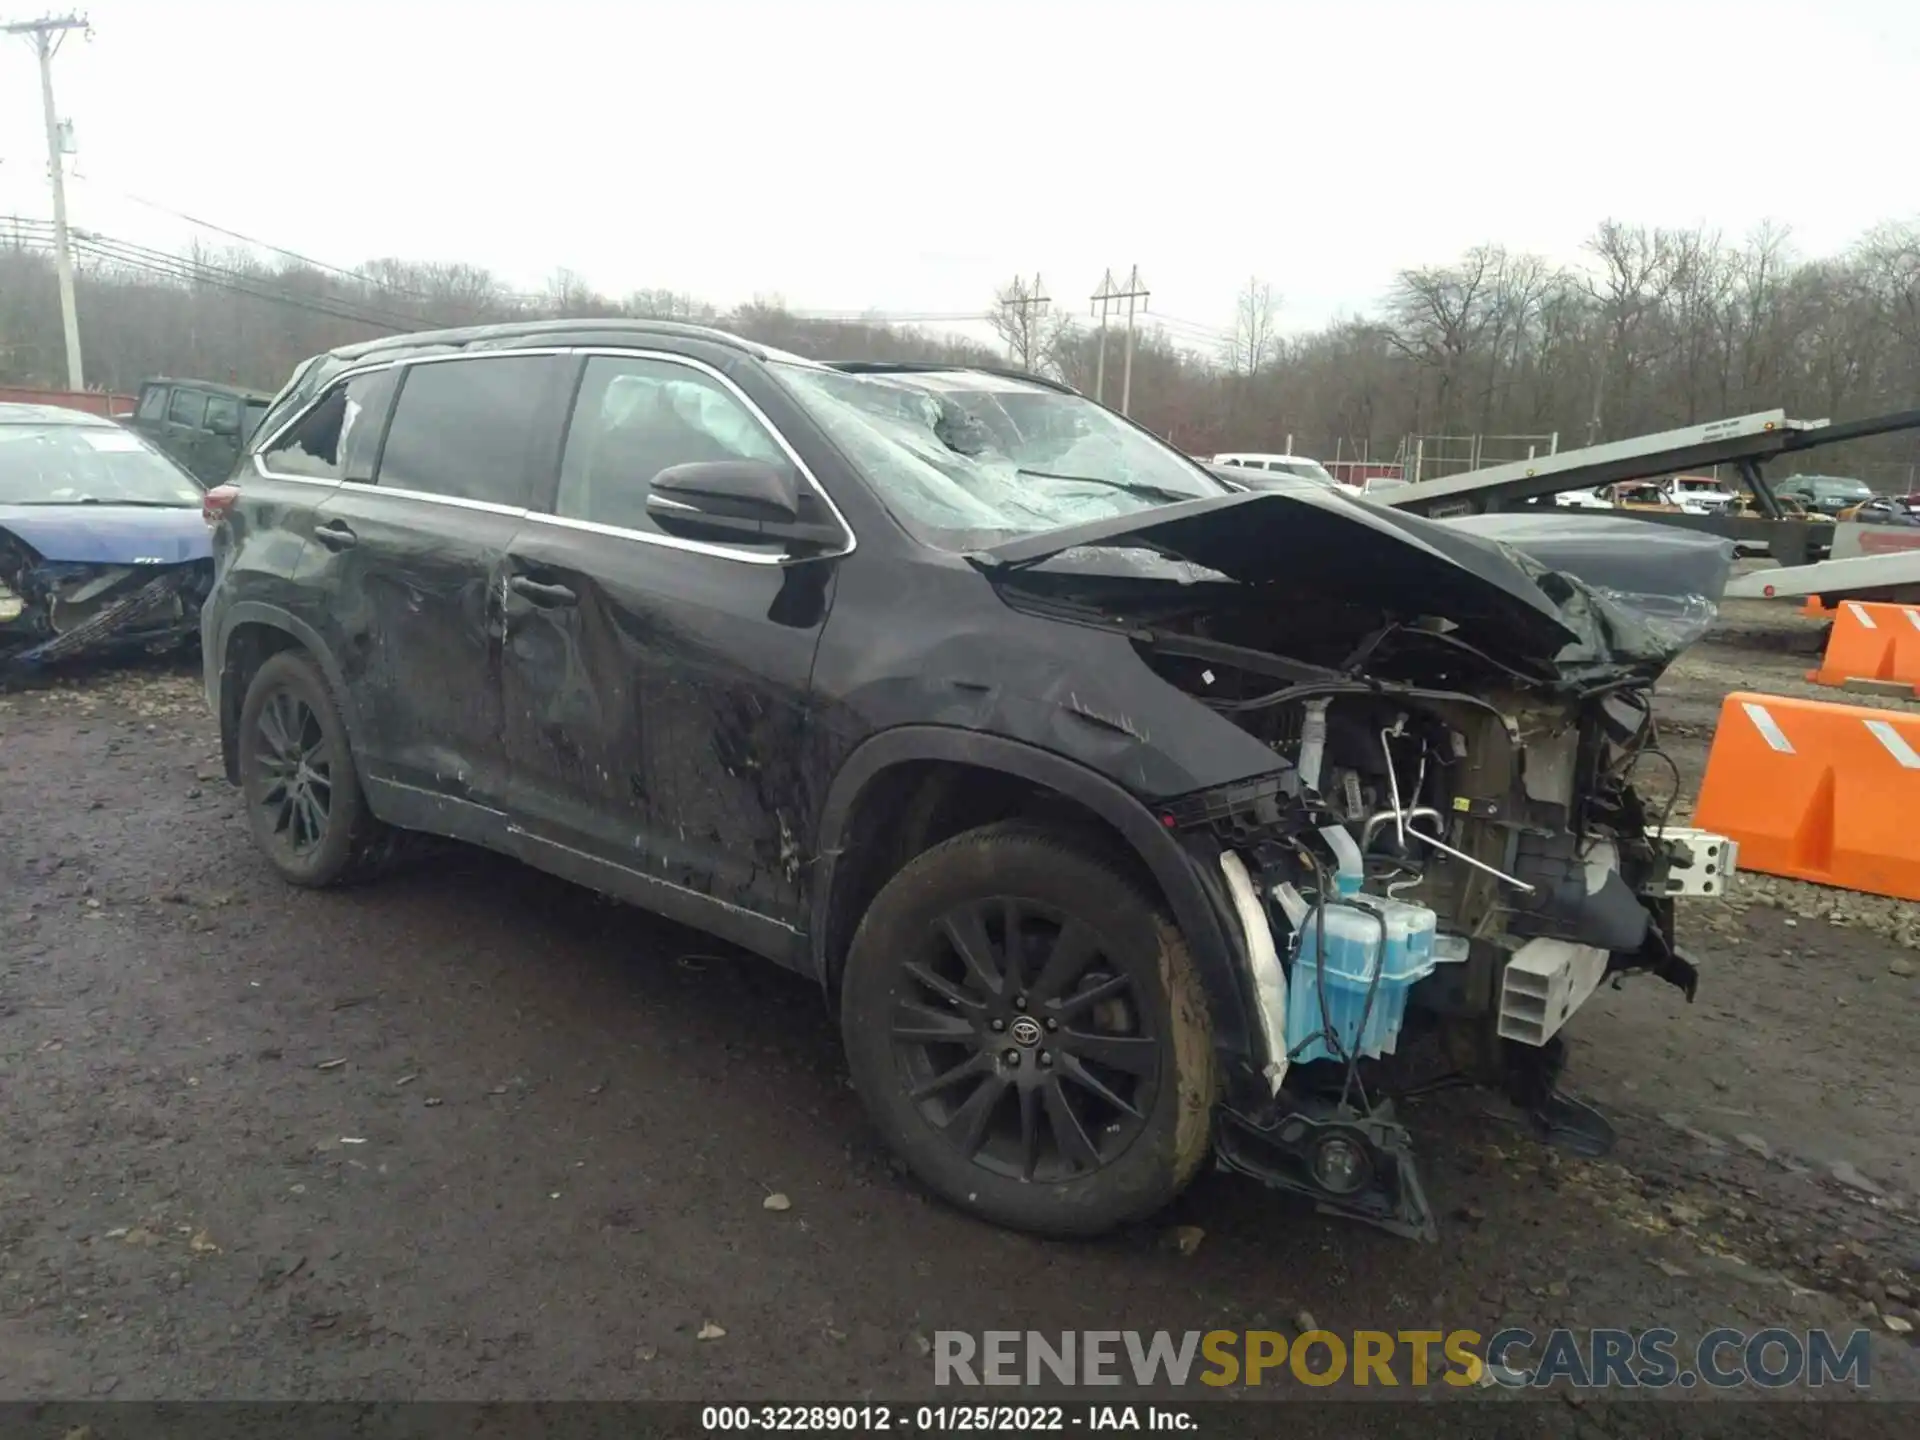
(964, 458)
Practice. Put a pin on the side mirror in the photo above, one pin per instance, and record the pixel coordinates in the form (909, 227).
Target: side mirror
(738, 500)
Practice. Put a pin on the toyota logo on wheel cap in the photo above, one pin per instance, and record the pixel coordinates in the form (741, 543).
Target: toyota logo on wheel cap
(1025, 1030)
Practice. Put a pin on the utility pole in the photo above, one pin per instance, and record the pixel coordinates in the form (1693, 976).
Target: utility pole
(1104, 297)
(46, 36)
(1021, 313)
(1100, 300)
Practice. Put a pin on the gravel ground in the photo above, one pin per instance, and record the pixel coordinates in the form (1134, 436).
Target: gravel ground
(473, 1133)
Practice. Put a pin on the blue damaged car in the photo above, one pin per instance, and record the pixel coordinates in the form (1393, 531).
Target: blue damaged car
(102, 545)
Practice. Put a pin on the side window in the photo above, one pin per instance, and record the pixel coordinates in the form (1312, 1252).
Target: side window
(153, 402)
(223, 414)
(256, 412)
(634, 418)
(462, 428)
(189, 408)
(339, 436)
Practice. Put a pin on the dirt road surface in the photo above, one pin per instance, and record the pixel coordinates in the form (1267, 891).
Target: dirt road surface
(470, 1132)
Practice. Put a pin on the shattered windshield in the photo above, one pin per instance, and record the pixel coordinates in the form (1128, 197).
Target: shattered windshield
(964, 459)
(87, 465)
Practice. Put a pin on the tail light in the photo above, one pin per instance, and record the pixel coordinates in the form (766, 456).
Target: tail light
(216, 502)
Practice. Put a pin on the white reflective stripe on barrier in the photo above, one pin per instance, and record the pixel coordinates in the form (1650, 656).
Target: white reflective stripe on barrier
(1895, 743)
(1768, 727)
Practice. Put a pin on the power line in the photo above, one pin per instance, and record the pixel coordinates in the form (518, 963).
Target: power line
(35, 235)
(295, 255)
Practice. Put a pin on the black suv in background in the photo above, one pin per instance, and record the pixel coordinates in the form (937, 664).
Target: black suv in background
(961, 694)
(202, 424)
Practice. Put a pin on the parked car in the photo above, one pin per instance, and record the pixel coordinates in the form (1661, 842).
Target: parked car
(202, 424)
(101, 540)
(1884, 510)
(1299, 467)
(1599, 498)
(1824, 494)
(1012, 727)
(1249, 477)
(1702, 495)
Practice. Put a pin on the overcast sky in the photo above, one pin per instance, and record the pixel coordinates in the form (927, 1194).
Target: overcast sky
(912, 155)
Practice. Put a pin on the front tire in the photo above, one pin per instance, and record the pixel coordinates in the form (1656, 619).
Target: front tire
(1028, 1032)
(303, 798)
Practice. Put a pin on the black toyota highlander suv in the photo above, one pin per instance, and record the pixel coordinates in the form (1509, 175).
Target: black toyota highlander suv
(977, 703)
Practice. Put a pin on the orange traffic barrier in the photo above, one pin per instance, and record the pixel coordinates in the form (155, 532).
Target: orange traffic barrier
(1814, 610)
(1872, 645)
(1828, 793)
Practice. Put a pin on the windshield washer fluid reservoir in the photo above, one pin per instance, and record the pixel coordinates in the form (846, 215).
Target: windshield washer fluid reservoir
(1352, 972)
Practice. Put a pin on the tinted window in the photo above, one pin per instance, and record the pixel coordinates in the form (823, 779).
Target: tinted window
(223, 414)
(153, 402)
(256, 412)
(636, 417)
(462, 428)
(189, 407)
(340, 435)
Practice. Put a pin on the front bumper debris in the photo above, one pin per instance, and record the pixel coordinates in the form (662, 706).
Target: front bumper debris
(1347, 1164)
(153, 612)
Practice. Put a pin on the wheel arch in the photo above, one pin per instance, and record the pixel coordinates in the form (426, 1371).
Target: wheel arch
(886, 780)
(249, 632)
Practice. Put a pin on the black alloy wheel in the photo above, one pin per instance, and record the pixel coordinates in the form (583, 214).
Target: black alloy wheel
(295, 767)
(1022, 1044)
(303, 798)
(1028, 1032)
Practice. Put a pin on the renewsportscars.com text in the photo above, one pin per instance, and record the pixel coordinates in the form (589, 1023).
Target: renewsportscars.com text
(1514, 1358)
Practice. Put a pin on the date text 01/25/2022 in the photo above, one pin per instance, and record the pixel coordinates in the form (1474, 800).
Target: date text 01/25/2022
(944, 1419)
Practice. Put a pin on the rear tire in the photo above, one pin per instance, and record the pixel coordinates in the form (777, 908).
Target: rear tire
(1063, 1084)
(302, 793)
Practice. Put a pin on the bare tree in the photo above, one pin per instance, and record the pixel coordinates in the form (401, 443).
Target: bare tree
(1638, 268)
(1654, 328)
(1019, 318)
(1439, 317)
(1254, 341)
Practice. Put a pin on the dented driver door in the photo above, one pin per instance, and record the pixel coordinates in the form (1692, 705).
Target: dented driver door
(655, 689)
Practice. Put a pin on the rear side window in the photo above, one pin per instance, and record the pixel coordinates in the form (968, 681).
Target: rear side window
(339, 437)
(223, 414)
(462, 428)
(636, 417)
(189, 407)
(153, 402)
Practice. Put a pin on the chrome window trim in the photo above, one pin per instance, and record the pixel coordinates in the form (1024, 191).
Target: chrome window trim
(668, 542)
(433, 497)
(704, 547)
(544, 517)
(260, 450)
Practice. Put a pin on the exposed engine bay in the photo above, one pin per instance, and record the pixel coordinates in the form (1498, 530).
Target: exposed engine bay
(1450, 845)
(1509, 814)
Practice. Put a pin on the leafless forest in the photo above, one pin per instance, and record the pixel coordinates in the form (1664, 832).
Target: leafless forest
(1654, 328)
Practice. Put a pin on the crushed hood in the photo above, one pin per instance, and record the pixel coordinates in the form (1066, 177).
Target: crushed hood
(109, 534)
(1558, 595)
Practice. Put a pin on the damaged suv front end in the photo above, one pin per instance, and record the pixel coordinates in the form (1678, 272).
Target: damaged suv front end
(1454, 713)
(102, 546)
(1433, 727)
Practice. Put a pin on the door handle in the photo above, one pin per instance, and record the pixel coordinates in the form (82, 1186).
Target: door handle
(336, 535)
(549, 596)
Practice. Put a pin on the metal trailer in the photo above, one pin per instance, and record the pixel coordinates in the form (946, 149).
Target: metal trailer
(1745, 442)
(1892, 575)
